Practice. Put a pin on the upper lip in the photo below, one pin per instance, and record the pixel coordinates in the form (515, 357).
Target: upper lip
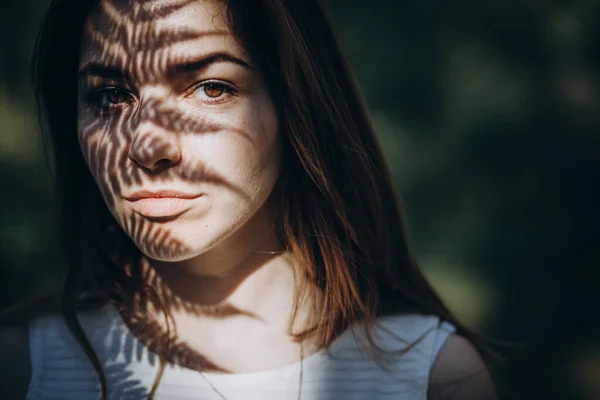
(146, 194)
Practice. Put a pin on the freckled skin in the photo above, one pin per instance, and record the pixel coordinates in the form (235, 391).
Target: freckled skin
(170, 133)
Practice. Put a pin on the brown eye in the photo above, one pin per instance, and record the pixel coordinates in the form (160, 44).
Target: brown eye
(109, 97)
(213, 90)
(115, 96)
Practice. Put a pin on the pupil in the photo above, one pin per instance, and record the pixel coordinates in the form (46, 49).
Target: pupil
(116, 97)
(213, 90)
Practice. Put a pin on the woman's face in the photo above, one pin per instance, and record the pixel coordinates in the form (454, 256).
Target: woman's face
(174, 123)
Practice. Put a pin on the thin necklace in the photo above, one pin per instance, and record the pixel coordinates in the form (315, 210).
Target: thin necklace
(268, 251)
(299, 379)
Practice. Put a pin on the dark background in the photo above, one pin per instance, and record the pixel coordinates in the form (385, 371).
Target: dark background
(489, 114)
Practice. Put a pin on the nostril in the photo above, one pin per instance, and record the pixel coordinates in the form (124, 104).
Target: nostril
(165, 163)
(159, 165)
(155, 152)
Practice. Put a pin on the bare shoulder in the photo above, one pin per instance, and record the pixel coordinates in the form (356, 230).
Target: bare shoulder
(15, 367)
(460, 373)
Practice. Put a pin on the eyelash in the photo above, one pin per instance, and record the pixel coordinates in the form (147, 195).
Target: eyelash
(227, 89)
(99, 100)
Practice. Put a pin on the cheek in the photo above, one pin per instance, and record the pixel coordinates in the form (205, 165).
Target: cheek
(104, 147)
(248, 155)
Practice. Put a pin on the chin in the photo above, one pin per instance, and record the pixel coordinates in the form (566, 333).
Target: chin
(170, 250)
(177, 241)
(186, 236)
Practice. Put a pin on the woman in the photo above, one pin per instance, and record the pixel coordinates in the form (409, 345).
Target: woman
(229, 220)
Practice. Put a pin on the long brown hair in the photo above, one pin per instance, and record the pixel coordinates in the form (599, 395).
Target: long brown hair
(338, 212)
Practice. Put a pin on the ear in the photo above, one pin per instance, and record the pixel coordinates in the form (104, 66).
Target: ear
(459, 373)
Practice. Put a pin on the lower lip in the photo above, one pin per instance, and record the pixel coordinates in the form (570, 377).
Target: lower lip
(162, 207)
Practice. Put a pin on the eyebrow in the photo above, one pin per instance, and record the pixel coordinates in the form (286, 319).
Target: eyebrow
(203, 62)
(103, 71)
(113, 72)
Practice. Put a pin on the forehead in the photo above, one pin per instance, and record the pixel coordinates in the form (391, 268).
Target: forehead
(122, 32)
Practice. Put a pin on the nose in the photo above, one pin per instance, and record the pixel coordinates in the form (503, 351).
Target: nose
(154, 149)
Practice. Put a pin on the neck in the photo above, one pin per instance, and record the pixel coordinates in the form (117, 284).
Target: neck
(245, 275)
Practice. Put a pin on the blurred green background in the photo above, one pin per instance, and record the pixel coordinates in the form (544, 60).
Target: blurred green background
(489, 115)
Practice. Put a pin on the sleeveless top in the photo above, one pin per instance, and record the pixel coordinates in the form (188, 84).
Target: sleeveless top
(346, 370)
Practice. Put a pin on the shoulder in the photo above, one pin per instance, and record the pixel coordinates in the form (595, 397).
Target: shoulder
(21, 327)
(15, 367)
(458, 372)
(419, 335)
(409, 327)
(15, 353)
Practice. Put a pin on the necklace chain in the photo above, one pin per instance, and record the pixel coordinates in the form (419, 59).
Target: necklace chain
(213, 387)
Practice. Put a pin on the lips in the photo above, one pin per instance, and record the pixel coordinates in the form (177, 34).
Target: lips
(161, 204)
(161, 194)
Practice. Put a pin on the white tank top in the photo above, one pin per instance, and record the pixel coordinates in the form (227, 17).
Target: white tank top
(60, 369)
